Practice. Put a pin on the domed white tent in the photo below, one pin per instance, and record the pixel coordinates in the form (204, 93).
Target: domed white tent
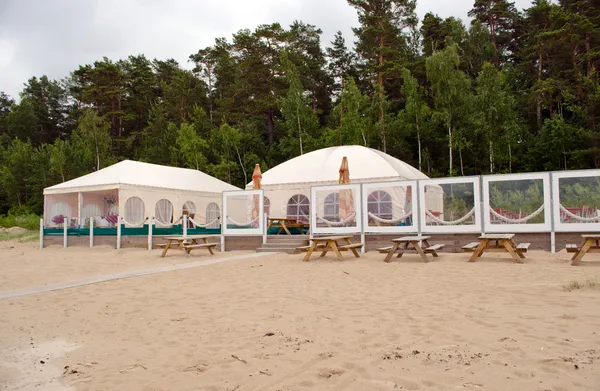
(287, 186)
(133, 191)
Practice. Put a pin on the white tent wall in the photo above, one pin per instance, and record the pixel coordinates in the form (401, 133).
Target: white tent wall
(178, 199)
(277, 200)
(58, 206)
(103, 206)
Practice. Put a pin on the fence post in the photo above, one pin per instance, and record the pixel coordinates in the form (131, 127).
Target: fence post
(419, 214)
(222, 243)
(265, 228)
(65, 223)
(150, 228)
(91, 232)
(119, 233)
(41, 234)
(552, 217)
(185, 220)
(362, 225)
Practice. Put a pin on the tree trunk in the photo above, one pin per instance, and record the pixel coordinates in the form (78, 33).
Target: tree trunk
(509, 159)
(450, 147)
(493, 38)
(380, 81)
(241, 164)
(491, 157)
(590, 64)
(576, 70)
(270, 126)
(418, 141)
(539, 99)
(299, 129)
(462, 167)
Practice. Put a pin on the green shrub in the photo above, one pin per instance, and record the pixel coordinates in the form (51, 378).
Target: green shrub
(29, 221)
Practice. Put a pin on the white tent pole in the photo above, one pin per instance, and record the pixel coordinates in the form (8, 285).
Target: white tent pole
(65, 223)
(185, 220)
(41, 234)
(79, 207)
(119, 233)
(362, 225)
(91, 232)
(265, 230)
(150, 226)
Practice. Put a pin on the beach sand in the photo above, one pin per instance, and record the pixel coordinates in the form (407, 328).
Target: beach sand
(275, 323)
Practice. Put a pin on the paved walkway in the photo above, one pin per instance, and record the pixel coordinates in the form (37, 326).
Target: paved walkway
(119, 276)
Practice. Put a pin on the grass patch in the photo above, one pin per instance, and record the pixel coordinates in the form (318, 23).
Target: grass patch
(589, 283)
(29, 236)
(27, 221)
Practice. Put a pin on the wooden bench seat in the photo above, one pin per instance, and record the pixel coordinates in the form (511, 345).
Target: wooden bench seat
(434, 247)
(305, 248)
(160, 245)
(384, 249)
(200, 245)
(350, 246)
(470, 247)
(522, 247)
(572, 248)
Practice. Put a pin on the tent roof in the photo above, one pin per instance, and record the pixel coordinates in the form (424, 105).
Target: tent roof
(129, 173)
(321, 166)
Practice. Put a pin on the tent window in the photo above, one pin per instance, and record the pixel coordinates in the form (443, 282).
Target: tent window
(298, 207)
(332, 206)
(266, 205)
(212, 215)
(164, 211)
(189, 208)
(91, 210)
(379, 203)
(134, 211)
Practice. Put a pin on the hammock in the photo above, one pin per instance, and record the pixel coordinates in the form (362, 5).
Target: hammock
(254, 220)
(197, 224)
(453, 222)
(133, 225)
(337, 223)
(394, 221)
(159, 223)
(579, 218)
(517, 221)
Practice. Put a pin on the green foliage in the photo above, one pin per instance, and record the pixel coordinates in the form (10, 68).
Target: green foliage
(507, 196)
(512, 92)
(28, 221)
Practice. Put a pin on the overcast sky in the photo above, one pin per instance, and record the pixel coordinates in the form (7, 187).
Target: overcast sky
(54, 37)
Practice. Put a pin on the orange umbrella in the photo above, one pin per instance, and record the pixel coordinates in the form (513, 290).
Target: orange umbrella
(346, 202)
(256, 178)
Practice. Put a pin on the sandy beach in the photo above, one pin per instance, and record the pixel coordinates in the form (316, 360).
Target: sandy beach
(273, 322)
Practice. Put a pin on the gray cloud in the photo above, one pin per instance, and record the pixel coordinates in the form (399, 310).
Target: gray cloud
(55, 37)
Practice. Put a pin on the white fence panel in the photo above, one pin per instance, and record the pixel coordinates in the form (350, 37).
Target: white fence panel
(517, 203)
(390, 207)
(450, 205)
(243, 213)
(576, 201)
(335, 209)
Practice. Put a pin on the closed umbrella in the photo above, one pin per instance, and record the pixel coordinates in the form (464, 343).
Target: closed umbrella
(346, 201)
(256, 179)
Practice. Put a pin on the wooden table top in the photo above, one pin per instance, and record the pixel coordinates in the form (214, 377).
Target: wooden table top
(326, 238)
(411, 238)
(591, 236)
(181, 237)
(497, 236)
(282, 219)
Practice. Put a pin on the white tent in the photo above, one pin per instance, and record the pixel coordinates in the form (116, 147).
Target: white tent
(287, 186)
(135, 191)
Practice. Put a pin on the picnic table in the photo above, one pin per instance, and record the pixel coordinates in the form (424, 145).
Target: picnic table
(331, 243)
(410, 243)
(186, 243)
(591, 244)
(497, 243)
(284, 223)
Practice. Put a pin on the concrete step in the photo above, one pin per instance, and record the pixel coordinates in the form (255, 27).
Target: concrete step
(284, 245)
(276, 250)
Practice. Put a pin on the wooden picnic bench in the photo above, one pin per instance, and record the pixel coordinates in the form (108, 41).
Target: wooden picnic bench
(496, 243)
(331, 243)
(420, 244)
(591, 244)
(186, 243)
(285, 223)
